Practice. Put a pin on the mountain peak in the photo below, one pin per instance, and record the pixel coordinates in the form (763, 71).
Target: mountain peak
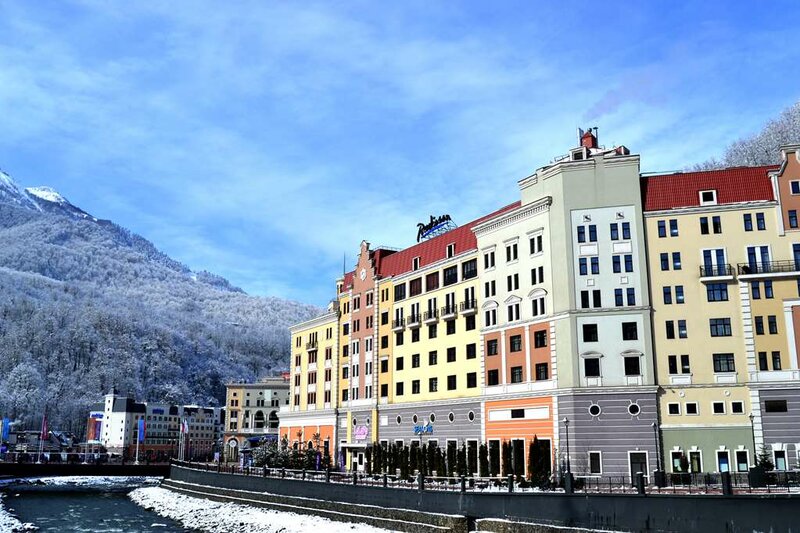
(46, 193)
(10, 193)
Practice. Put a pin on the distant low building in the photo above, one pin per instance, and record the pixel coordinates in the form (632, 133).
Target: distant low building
(114, 424)
(253, 413)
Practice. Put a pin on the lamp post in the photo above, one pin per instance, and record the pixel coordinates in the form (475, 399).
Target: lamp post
(753, 434)
(566, 430)
(658, 451)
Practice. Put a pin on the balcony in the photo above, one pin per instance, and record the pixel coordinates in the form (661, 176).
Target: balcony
(448, 312)
(398, 324)
(414, 321)
(762, 268)
(311, 345)
(430, 316)
(469, 307)
(716, 273)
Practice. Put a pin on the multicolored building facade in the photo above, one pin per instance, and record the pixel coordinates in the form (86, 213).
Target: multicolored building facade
(648, 319)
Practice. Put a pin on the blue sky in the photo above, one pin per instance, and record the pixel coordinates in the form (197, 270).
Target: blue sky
(262, 141)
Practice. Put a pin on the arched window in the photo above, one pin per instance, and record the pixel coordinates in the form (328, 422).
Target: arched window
(258, 420)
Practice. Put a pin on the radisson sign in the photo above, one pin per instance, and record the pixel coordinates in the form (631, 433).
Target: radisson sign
(433, 227)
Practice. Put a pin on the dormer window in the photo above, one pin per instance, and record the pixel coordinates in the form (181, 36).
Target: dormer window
(451, 250)
(708, 197)
(415, 263)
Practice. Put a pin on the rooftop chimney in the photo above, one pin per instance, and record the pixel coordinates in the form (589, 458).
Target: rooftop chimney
(589, 139)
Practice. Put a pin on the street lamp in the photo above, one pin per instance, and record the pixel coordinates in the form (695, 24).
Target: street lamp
(658, 452)
(566, 430)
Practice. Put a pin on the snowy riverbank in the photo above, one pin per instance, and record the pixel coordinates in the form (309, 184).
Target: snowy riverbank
(215, 517)
(99, 483)
(8, 522)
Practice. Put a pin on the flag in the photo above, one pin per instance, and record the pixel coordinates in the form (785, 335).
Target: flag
(6, 429)
(184, 426)
(141, 430)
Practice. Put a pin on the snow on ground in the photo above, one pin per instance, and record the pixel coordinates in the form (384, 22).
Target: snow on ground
(94, 482)
(216, 517)
(9, 523)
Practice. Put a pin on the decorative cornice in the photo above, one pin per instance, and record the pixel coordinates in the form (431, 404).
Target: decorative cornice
(697, 209)
(318, 321)
(515, 215)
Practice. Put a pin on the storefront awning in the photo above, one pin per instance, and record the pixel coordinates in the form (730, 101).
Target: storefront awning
(355, 445)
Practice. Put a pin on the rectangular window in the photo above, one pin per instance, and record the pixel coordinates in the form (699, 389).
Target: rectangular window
(450, 275)
(490, 316)
(472, 351)
(469, 269)
(616, 264)
(629, 331)
(775, 406)
(432, 281)
(662, 228)
(590, 333)
(632, 366)
(511, 252)
(491, 347)
(717, 292)
(704, 225)
(415, 287)
(541, 371)
(516, 343)
(618, 301)
(492, 377)
(614, 231)
(488, 260)
(716, 222)
(673, 228)
(583, 266)
(592, 233)
(676, 260)
(664, 261)
(516, 374)
(585, 300)
(737, 408)
(672, 363)
(670, 329)
(536, 244)
(776, 361)
(724, 362)
(591, 367)
(763, 362)
(451, 354)
(399, 292)
(674, 408)
(415, 360)
(595, 463)
(630, 295)
(581, 234)
(679, 294)
(758, 321)
(685, 369)
(682, 332)
(540, 338)
(433, 385)
(626, 230)
(451, 383)
(720, 327)
(772, 323)
(748, 222)
(415, 335)
(398, 389)
(472, 380)
(768, 294)
(718, 408)
(691, 409)
(792, 218)
(595, 262)
(398, 363)
(596, 301)
(415, 388)
(755, 290)
(628, 263)
(432, 357)
(760, 222)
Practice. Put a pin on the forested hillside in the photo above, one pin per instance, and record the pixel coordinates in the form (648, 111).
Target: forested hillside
(761, 148)
(86, 305)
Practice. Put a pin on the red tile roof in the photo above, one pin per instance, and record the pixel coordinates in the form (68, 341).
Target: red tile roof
(435, 249)
(682, 189)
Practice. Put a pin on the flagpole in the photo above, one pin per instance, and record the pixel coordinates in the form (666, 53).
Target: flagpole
(41, 437)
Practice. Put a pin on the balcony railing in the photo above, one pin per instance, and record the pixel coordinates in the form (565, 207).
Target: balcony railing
(398, 323)
(448, 311)
(311, 345)
(414, 320)
(716, 271)
(769, 267)
(431, 315)
(469, 306)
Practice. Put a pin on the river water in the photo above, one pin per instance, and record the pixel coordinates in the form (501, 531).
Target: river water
(94, 511)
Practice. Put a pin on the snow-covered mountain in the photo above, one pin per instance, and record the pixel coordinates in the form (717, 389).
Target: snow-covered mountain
(48, 199)
(86, 304)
